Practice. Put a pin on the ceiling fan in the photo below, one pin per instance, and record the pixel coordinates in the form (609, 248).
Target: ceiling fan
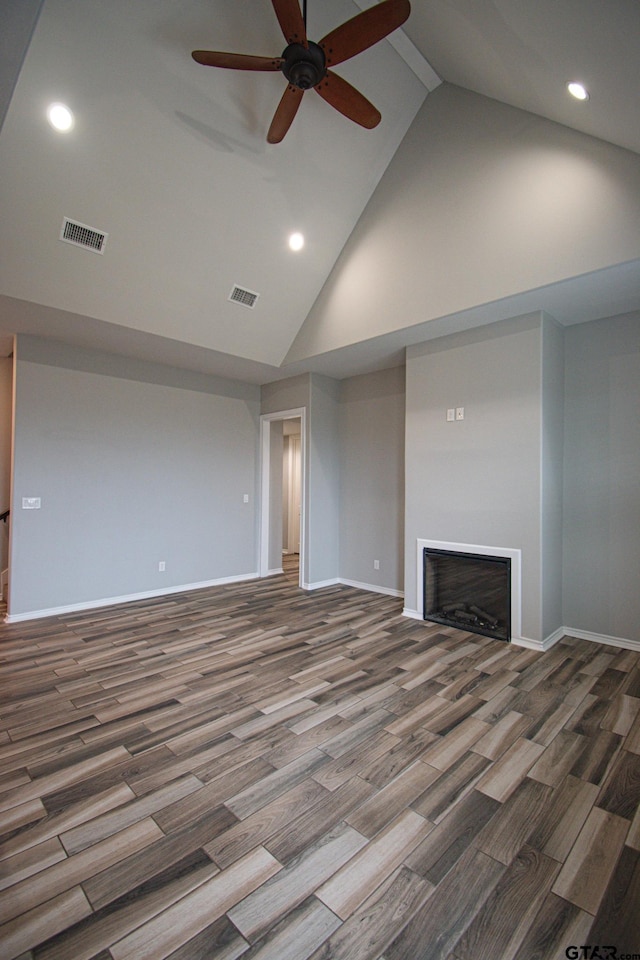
(306, 64)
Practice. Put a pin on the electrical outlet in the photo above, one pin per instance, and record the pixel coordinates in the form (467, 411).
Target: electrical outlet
(376, 564)
(245, 498)
(162, 566)
(451, 414)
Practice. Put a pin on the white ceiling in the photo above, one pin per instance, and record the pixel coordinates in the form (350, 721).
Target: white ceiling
(170, 159)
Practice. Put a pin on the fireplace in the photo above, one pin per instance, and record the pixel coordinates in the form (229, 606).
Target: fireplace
(469, 591)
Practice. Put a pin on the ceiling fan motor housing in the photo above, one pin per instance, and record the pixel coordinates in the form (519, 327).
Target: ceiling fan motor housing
(304, 67)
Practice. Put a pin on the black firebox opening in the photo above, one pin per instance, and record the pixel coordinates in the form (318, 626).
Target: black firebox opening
(469, 591)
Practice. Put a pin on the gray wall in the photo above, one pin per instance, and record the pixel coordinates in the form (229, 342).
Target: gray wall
(289, 394)
(323, 505)
(601, 477)
(552, 391)
(6, 408)
(137, 463)
(477, 481)
(134, 464)
(372, 478)
(354, 474)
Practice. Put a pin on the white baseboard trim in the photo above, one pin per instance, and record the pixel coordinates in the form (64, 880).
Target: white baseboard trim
(274, 572)
(601, 638)
(128, 598)
(372, 588)
(554, 637)
(413, 614)
(517, 641)
(340, 581)
(561, 632)
(539, 645)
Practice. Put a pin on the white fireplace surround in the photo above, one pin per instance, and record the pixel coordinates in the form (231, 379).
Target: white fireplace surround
(508, 552)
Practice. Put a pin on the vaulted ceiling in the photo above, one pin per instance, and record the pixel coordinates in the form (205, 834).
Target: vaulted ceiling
(169, 158)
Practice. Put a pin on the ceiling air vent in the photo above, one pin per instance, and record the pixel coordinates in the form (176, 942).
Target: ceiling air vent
(83, 236)
(246, 297)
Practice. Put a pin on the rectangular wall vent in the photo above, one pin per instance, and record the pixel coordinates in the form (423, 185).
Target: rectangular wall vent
(83, 236)
(246, 297)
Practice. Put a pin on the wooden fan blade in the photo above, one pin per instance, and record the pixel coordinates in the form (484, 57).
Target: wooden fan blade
(283, 117)
(291, 22)
(363, 30)
(349, 101)
(236, 61)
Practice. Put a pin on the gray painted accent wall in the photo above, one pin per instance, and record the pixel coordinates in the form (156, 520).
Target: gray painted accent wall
(602, 478)
(372, 478)
(477, 481)
(130, 472)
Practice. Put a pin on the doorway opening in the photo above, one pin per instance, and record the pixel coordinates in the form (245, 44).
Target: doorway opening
(291, 498)
(282, 528)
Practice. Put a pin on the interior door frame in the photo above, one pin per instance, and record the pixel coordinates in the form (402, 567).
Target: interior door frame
(265, 486)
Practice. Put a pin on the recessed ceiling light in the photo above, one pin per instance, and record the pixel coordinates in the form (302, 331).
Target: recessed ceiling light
(296, 241)
(578, 91)
(59, 116)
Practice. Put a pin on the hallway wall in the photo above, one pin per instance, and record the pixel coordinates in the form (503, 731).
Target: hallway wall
(6, 415)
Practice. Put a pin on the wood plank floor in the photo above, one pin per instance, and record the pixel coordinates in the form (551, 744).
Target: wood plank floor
(255, 771)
